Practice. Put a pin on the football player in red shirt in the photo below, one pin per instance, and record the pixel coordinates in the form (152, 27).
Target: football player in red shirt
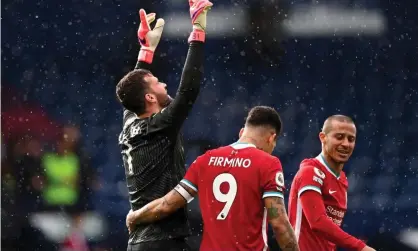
(318, 195)
(240, 189)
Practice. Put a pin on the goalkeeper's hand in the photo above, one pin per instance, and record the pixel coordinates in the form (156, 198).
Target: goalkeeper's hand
(149, 38)
(198, 13)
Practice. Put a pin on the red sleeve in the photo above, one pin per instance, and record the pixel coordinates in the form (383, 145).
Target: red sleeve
(314, 210)
(192, 175)
(272, 179)
(310, 178)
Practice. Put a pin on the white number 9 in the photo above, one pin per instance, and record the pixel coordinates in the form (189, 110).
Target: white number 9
(227, 198)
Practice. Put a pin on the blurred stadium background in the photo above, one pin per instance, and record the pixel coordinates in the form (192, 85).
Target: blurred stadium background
(61, 61)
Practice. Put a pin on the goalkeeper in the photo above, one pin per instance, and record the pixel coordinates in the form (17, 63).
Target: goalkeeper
(151, 146)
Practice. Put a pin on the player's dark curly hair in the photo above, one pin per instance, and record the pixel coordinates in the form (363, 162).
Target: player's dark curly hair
(264, 116)
(131, 91)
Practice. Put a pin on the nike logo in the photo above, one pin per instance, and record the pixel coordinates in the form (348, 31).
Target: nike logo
(142, 41)
(331, 192)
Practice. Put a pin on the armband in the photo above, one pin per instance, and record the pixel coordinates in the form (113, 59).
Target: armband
(183, 192)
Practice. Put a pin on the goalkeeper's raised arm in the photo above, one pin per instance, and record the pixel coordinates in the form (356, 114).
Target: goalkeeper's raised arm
(166, 111)
(176, 112)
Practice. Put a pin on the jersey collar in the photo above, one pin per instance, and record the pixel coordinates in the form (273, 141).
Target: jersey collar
(322, 160)
(241, 145)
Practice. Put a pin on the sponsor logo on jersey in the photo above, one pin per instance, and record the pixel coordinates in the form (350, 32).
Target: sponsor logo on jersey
(335, 215)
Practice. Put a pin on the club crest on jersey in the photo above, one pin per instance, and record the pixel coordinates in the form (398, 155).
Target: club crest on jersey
(319, 173)
(135, 130)
(279, 180)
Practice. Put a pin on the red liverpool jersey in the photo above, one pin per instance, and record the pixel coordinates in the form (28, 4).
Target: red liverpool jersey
(315, 175)
(231, 182)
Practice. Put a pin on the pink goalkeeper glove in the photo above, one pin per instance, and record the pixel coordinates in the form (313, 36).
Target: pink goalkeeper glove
(147, 37)
(198, 11)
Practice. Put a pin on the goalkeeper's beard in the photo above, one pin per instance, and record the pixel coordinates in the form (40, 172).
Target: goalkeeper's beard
(164, 100)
